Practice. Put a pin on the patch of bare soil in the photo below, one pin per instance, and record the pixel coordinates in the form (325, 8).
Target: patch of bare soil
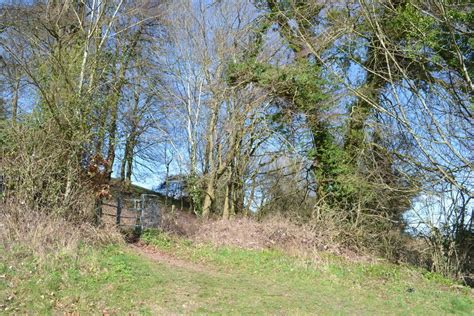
(162, 257)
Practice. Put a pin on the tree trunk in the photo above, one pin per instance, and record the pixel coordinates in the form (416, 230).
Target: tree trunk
(115, 98)
(209, 197)
(247, 208)
(123, 165)
(131, 148)
(112, 137)
(210, 187)
(227, 200)
(362, 108)
(101, 126)
(15, 101)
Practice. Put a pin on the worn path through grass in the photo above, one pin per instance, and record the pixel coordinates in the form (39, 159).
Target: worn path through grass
(183, 278)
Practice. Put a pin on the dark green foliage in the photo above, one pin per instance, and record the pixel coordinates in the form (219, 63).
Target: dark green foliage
(436, 39)
(354, 171)
(300, 83)
(195, 192)
(332, 169)
(337, 169)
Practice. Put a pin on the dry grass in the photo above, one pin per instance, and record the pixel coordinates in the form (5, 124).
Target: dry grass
(46, 236)
(271, 232)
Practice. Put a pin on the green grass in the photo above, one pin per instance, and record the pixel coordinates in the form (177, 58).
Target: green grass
(220, 281)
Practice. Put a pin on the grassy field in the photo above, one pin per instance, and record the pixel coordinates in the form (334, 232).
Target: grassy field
(182, 278)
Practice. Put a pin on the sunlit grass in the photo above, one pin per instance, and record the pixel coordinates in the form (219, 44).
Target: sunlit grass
(219, 280)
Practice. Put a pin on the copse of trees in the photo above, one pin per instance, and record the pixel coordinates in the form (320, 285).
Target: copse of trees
(77, 59)
(348, 114)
